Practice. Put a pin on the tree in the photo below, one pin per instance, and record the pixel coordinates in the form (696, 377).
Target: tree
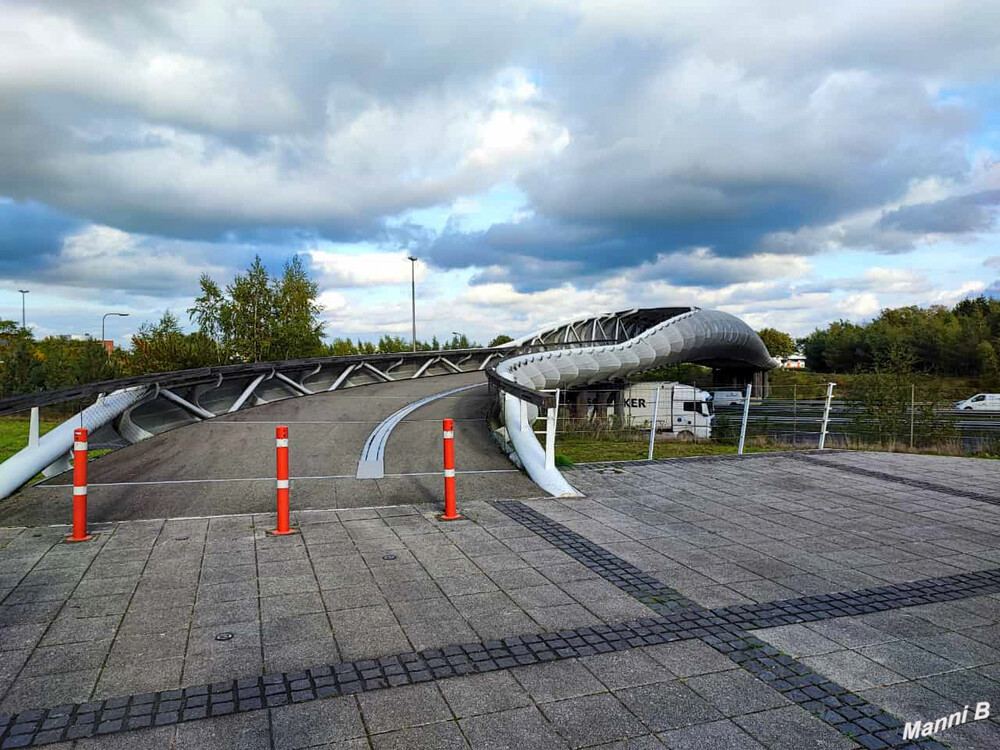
(297, 331)
(164, 347)
(987, 362)
(501, 339)
(778, 343)
(248, 315)
(259, 317)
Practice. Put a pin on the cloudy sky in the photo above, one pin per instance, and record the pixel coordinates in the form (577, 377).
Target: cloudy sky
(791, 163)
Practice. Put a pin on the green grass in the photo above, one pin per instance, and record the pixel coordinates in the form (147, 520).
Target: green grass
(14, 434)
(14, 437)
(576, 449)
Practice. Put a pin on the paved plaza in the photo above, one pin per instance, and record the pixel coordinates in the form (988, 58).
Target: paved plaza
(773, 601)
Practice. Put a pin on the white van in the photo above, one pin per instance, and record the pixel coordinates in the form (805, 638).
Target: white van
(728, 398)
(981, 401)
(683, 411)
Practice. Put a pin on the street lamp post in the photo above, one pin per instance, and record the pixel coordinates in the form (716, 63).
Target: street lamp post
(105, 317)
(413, 296)
(23, 293)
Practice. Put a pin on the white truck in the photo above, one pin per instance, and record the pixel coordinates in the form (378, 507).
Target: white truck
(981, 402)
(683, 411)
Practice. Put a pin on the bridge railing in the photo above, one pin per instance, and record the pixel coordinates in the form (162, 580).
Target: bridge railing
(205, 375)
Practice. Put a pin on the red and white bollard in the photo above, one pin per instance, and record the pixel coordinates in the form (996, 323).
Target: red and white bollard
(450, 511)
(79, 488)
(284, 520)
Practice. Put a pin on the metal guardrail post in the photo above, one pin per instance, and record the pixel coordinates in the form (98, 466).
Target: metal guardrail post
(913, 409)
(652, 426)
(551, 415)
(746, 416)
(826, 415)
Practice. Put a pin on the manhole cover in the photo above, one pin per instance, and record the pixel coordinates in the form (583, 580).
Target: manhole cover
(224, 636)
(388, 557)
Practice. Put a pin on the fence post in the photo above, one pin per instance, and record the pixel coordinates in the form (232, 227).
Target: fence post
(551, 415)
(795, 418)
(33, 428)
(79, 487)
(913, 408)
(746, 416)
(450, 511)
(284, 513)
(826, 415)
(652, 426)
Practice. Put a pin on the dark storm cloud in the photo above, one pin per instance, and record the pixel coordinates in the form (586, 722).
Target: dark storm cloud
(967, 213)
(638, 131)
(31, 237)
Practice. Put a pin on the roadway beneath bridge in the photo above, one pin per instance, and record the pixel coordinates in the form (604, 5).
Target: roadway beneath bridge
(227, 465)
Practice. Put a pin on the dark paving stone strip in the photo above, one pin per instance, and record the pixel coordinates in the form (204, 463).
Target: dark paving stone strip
(644, 587)
(724, 629)
(849, 713)
(915, 483)
(114, 715)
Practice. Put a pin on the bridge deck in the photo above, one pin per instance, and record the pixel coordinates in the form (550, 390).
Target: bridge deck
(226, 465)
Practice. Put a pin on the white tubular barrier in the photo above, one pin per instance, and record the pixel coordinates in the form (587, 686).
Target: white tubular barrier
(693, 336)
(531, 453)
(25, 464)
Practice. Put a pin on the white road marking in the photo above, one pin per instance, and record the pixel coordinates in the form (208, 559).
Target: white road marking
(271, 479)
(372, 462)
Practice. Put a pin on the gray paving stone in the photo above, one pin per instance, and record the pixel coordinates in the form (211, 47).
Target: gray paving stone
(250, 731)
(373, 643)
(645, 742)
(689, 658)
(667, 705)
(961, 650)
(518, 729)
(308, 724)
(622, 669)
(557, 681)
(910, 701)
(736, 692)
(592, 719)
(907, 659)
(851, 632)
(477, 694)
(58, 659)
(446, 736)
(130, 678)
(717, 735)
(15, 637)
(964, 687)
(792, 728)
(49, 690)
(797, 640)
(409, 706)
(157, 738)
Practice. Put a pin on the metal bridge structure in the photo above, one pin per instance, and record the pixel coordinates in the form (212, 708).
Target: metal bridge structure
(524, 375)
(641, 339)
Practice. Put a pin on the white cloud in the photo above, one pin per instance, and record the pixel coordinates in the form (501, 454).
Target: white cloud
(365, 269)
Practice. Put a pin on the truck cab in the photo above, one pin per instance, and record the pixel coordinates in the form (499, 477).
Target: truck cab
(981, 402)
(683, 411)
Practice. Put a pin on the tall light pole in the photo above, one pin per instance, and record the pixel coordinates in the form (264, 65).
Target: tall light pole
(413, 296)
(23, 293)
(105, 317)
